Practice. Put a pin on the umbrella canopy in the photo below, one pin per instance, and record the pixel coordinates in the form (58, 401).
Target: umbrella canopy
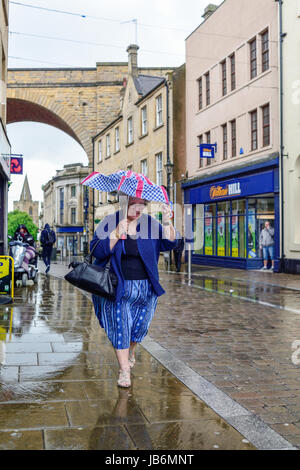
(129, 183)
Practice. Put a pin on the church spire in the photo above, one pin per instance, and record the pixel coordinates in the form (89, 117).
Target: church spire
(26, 194)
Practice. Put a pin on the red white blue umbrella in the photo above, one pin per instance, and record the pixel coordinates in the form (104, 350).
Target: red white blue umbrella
(129, 183)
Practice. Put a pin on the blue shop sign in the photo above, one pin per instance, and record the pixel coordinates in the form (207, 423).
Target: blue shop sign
(69, 229)
(259, 183)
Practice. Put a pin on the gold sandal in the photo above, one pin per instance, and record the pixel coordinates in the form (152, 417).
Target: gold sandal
(124, 379)
(131, 359)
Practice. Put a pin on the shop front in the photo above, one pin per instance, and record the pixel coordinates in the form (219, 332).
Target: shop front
(229, 212)
(5, 150)
(70, 240)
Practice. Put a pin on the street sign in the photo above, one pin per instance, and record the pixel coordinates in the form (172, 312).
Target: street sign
(16, 165)
(6, 279)
(207, 150)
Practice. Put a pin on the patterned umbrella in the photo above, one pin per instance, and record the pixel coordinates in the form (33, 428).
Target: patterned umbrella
(128, 182)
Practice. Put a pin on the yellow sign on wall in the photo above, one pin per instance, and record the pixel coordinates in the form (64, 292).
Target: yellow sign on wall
(7, 276)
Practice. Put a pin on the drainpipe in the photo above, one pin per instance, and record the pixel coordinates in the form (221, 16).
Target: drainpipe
(93, 210)
(168, 146)
(281, 37)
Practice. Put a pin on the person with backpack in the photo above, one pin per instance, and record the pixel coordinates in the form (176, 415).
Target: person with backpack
(48, 239)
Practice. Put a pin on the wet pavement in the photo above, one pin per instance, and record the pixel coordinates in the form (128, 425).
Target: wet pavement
(58, 376)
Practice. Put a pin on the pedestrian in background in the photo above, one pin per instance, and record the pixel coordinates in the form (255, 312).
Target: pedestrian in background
(266, 242)
(134, 260)
(178, 253)
(48, 239)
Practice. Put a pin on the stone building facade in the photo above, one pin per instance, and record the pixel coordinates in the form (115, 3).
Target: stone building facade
(141, 137)
(290, 158)
(26, 204)
(65, 208)
(232, 101)
(5, 147)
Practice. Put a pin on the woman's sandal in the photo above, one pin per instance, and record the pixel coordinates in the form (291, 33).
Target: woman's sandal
(131, 359)
(124, 378)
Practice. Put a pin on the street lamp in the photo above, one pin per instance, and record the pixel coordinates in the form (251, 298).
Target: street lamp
(169, 169)
(86, 206)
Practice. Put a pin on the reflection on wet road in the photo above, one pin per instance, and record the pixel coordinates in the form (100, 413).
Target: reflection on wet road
(58, 387)
(264, 293)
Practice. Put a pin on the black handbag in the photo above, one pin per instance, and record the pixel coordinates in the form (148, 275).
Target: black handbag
(92, 278)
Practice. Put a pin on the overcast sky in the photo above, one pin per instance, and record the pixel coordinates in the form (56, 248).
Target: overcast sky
(162, 26)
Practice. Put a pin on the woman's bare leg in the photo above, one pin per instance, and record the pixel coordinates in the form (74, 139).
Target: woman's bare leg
(124, 375)
(122, 356)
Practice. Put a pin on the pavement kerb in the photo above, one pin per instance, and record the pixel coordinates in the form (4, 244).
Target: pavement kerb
(246, 423)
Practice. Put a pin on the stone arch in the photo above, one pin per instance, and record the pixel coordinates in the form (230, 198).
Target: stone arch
(24, 105)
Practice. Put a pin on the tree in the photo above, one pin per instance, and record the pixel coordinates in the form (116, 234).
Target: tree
(16, 218)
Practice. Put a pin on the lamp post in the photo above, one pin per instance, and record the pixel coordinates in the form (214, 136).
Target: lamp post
(85, 207)
(169, 169)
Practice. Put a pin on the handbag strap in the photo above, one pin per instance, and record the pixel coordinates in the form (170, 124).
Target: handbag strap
(89, 257)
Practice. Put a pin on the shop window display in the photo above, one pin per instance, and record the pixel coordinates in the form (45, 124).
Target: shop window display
(232, 228)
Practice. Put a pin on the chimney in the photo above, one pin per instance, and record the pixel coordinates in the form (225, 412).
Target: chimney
(132, 60)
(209, 10)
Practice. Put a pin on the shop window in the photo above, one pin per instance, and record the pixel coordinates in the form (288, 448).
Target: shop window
(210, 229)
(223, 229)
(198, 218)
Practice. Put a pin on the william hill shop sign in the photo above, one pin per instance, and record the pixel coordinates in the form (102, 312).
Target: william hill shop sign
(221, 191)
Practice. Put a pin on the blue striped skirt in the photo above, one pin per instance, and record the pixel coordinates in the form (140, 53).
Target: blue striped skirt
(129, 319)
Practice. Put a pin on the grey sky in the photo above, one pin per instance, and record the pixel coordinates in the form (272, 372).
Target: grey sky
(162, 28)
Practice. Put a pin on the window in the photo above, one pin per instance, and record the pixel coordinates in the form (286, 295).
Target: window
(100, 151)
(108, 145)
(207, 90)
(233, 138)
(266, 125)
(232, 72)
(30, 210)
(253, 130)
(265, 50)
(207, 138)
(73, 215)
(73, 191)
(159, 119)
(144, 167)
(200, 93)
(130, 167)
(225, 146)
(129, 130)
(117, 139)
(159, 169)
(144, 121)
(200, 141)
(224, 78)
(253, 59)
(61, 206)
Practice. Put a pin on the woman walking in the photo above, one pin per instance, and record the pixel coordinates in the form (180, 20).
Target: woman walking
(133, 246)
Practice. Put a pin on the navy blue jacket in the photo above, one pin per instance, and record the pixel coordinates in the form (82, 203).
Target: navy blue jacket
(150, 243)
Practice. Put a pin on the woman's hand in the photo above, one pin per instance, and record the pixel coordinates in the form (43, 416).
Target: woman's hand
(166, 214)
(122, 228)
